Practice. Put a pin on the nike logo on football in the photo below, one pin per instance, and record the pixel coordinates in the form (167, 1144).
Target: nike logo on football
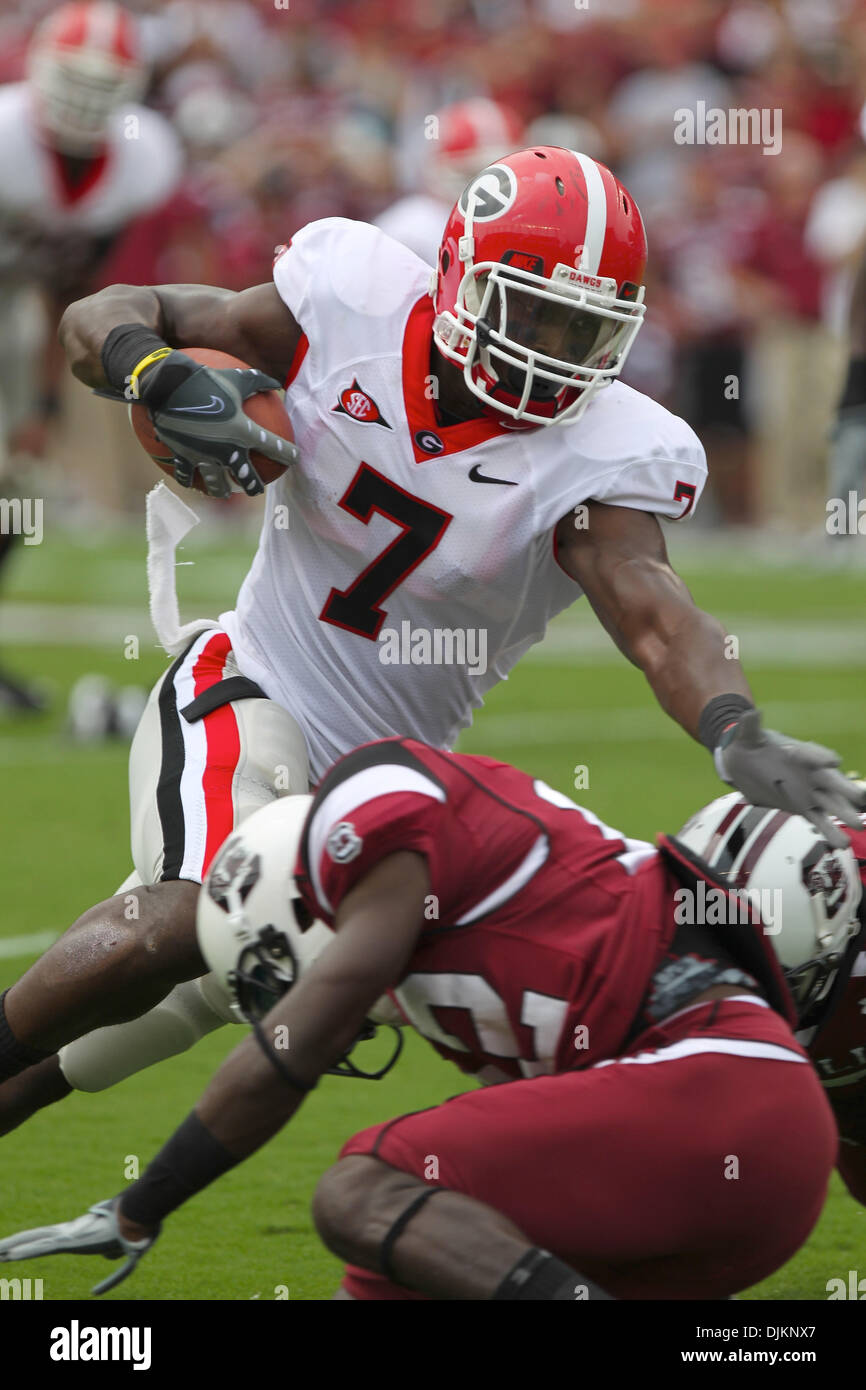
(476, 477)
(213, 407)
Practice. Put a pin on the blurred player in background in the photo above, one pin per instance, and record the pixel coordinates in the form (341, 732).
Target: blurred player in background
(848, 457)
(463, 138)
(79, 160)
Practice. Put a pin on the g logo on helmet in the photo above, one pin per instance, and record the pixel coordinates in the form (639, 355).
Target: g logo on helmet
(489, 194)
(342, 844)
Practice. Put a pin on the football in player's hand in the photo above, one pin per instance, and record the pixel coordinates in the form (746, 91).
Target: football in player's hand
(266, 408)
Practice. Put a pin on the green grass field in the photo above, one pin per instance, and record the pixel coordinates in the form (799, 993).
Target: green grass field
(65, 846)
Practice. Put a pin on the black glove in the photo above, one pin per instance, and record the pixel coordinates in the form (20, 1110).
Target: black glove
(770, 769)
(198, 412)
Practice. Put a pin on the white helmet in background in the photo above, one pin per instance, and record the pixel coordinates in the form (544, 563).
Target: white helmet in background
(254, 931)
(84, 62)
(759, 851)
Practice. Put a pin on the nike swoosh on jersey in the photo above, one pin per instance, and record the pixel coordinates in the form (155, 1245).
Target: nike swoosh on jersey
(213, 407)
(476, 477)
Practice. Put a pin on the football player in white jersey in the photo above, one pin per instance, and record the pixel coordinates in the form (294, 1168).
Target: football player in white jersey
(463, 138)
(847, 470)
(79, 159)
(467, 462)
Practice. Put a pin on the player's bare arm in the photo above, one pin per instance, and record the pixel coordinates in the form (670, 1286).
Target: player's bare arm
(129, 342)
(620, 561)
(253, 1095)
(254, 325)
(461, 1248)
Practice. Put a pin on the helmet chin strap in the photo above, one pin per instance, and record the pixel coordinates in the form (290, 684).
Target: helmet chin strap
(344, 1066)
(817, 1011)
(541, 406)
(499, 388)
(546, 406)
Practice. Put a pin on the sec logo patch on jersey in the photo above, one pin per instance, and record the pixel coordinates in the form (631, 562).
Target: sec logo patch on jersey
(358, 404)
(343, 844)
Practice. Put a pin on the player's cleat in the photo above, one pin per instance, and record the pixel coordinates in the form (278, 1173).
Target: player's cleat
(98, 710)
(90, 710)
(95, 1233)
(18, 697)
(129, 703)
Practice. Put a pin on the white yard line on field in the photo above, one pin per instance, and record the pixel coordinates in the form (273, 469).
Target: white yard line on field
(73, 624)
(769, 642)
(29, 945)
(578, 727)
(576, 640)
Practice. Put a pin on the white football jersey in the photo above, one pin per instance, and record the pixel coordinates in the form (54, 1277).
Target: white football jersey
(418, 221)
(404, 566)
(141, 165)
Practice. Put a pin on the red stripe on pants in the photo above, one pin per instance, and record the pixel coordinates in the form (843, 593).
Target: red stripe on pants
(223, 748)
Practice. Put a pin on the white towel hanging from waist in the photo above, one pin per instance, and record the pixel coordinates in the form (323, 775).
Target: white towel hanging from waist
(168, 521)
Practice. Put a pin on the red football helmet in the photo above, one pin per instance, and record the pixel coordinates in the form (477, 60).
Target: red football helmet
(469, 136)
(84, 62)
(538, 293)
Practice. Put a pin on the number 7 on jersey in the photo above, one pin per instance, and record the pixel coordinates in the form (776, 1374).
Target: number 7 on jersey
(422, 526)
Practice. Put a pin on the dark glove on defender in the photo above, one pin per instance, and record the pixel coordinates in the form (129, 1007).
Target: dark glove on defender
(802, 778)
(199, 413)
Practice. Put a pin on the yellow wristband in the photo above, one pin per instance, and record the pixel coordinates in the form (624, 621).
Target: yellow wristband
(145, 362)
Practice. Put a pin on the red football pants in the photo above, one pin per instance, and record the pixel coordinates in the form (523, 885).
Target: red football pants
(689, 1168)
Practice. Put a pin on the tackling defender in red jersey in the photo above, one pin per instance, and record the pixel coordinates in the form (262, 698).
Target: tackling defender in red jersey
(659, 1133)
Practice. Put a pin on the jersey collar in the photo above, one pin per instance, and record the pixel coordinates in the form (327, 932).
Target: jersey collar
(69, 191)
(420, 411)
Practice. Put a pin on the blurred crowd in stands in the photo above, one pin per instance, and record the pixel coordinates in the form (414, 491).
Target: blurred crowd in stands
(291, 112)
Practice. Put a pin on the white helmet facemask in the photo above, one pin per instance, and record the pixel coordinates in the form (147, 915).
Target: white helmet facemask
(536, 338)
(77, 93)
